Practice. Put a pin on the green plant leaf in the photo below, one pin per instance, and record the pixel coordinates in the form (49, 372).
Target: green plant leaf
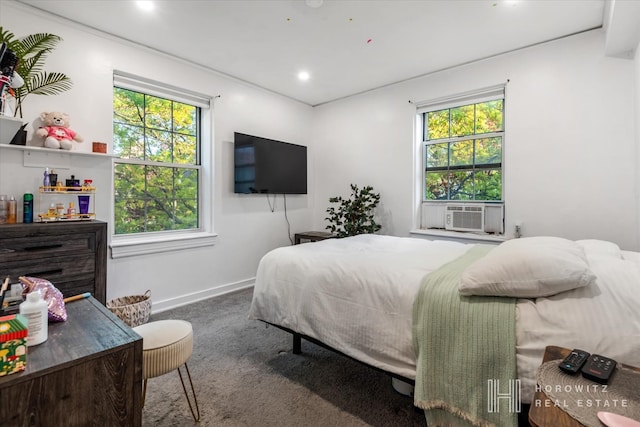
(32, 51)
(354, 215)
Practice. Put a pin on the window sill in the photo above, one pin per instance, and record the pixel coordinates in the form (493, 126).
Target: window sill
(459, 235)
(127, 247)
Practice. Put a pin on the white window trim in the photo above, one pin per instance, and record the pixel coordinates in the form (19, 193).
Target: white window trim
(437, 233)
(498, 91)
(150, 243)
(126, 247)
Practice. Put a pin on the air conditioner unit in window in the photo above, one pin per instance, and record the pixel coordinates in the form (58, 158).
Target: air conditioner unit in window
(464, 217)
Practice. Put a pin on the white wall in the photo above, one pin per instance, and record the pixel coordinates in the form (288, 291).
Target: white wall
(570, 150)
(636, 122)
(245, 225)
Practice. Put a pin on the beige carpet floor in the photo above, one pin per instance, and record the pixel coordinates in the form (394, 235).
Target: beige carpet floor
(245, 375)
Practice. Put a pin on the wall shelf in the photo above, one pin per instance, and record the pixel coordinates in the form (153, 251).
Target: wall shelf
(33, 148)
(40, 157)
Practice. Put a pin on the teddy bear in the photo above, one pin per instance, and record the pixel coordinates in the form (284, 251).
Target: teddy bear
(56, 131)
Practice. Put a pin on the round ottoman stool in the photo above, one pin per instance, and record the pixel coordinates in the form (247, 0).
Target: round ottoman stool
(166, 346)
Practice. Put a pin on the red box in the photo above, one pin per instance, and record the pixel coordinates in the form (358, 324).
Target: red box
(99, 147)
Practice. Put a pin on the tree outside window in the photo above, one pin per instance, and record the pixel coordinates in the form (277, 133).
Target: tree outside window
(463, 152)
(157, 174)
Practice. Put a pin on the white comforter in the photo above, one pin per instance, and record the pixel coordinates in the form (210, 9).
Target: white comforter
(356, 295)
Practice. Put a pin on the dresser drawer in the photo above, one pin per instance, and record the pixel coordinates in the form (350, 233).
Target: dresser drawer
(68, 273)
(36, 247)
(71, 255)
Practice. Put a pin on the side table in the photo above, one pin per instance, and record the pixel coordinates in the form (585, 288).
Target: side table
(312, 236)
(87, 372)
(543, 412)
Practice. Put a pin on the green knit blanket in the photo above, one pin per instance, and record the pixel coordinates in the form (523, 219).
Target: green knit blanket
(463, 344)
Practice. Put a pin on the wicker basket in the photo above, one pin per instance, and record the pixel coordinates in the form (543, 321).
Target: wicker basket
(134, 310)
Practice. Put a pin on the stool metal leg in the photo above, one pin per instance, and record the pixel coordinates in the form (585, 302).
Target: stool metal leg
(193, 391)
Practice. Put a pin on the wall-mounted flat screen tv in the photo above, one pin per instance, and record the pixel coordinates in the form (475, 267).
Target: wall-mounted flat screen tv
(266, 166)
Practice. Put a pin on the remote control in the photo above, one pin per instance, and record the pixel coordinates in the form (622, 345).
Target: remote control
(599, 368)
(574, 361)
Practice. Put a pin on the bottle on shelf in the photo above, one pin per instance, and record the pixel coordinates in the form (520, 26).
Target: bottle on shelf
(27, 208)
(3, 209)
(71, 211)
(53, 179)
(12, 210)
(73, 182)
(46, 182)
(59, 210)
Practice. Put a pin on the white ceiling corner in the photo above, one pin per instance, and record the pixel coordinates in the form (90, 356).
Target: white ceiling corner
(347, 46)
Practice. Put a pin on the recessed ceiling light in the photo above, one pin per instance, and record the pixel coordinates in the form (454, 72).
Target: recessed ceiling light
(146, 5)
(303, 75)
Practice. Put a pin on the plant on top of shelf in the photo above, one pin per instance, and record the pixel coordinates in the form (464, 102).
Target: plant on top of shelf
(354, 215)
(31, 51)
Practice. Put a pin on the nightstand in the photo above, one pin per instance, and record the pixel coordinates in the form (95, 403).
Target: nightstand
(546, 413)
(312, 236)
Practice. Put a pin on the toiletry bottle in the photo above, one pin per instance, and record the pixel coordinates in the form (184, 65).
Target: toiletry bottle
(71, 211)
(46, 183)
(12, 210)
(53, 179)
(60, 210)
(3, 209)
(27, 208)
(36, 312)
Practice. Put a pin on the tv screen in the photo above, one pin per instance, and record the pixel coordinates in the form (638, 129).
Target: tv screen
(267, 166)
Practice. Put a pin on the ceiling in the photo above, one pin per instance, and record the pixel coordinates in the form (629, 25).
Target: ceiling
(346, 46)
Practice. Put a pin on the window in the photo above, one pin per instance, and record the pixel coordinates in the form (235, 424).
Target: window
(158, 172)
(463, 141)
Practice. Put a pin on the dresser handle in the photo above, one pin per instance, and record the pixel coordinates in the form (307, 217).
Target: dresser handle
(44, 273)
(43, 248)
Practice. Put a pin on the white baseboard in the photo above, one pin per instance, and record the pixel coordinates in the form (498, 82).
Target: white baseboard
(168, 304)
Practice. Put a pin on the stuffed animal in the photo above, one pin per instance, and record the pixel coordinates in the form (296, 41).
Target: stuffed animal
(56, 131)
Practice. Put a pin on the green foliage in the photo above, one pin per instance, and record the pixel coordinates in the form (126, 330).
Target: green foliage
(355, 214)
(466, 165)
(156, 189)
(32, 52)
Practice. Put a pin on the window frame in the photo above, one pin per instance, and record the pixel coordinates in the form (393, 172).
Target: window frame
(422, 204)
(455, 102)
(125, 245)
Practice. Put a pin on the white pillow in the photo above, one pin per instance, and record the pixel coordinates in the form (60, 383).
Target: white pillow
(529, 267)
(600, 247)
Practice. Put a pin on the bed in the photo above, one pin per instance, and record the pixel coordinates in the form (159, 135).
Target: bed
(362, 296)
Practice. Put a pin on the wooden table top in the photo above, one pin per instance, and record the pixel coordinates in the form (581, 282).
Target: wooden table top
(90, 331)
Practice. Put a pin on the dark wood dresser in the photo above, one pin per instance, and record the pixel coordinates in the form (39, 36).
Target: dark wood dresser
(71, 255)
(87, 373)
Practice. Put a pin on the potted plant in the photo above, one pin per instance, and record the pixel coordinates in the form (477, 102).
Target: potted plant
(31, 51)
(354, 215)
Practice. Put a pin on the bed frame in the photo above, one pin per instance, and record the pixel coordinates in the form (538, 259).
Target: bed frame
(297, 349)
(523, 420)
